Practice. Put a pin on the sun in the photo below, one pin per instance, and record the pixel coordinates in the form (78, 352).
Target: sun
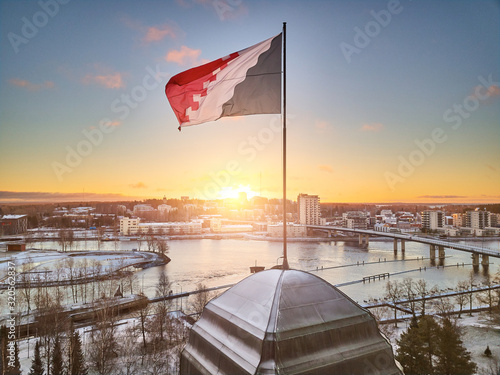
(230, 192)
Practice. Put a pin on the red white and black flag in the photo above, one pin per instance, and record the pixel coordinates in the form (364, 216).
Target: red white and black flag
(247, 82)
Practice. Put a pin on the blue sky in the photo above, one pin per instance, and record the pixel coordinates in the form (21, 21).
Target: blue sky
(354, 126)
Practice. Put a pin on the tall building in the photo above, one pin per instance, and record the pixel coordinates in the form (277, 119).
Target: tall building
(432, 220)
(477, 219)
(308, 209)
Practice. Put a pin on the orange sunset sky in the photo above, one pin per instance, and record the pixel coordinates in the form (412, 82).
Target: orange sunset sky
(408, 114)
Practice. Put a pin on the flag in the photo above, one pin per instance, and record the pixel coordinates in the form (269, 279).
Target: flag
(247, 82)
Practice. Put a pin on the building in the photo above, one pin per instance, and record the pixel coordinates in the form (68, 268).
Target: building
(129, 226)
(218, 225)
(286, 322)
(494, 220)
(134, 227)
(451, 231)
(308, 209)
(432, 220)
(477, 219)
(355, 219)
(13, 225)
(170, 228)
(458, 220)
(292, 230)
(16, 247)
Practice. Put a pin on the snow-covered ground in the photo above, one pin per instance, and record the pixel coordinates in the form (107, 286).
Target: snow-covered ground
(52, 266)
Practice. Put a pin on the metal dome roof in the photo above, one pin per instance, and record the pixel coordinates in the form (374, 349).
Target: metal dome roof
(286, 322)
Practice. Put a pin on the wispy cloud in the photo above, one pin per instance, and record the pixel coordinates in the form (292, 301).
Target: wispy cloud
(489, 166)
(139, 185)
(156, 34)
(31, 86)
(490, 92)
(325, 168)
(184, 56)
(106, 78)
(442, 196)
(321, 126)
(37, 196)
(149, 34)
(372, 127)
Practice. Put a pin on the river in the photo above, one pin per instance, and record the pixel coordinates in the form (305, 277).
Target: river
(227, 261)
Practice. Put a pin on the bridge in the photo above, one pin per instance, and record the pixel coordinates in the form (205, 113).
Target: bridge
(364, 235)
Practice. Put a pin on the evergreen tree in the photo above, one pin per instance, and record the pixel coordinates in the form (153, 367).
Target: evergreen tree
(16, 370)
(3, 349)
(452, 357)
(37, 365)
(57, 365)
(76, 356)
(427, 332)
(411, 353)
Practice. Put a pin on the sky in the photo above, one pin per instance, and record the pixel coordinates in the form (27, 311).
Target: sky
(387, 101)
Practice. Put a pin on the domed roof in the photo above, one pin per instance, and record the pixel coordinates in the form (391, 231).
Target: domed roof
(286, 322)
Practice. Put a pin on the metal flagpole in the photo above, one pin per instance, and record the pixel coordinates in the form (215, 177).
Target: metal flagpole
(285, 255)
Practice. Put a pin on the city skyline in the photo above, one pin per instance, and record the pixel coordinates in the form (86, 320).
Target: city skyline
(388, 101)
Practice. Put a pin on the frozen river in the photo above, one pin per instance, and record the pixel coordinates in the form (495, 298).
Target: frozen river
(221, 262)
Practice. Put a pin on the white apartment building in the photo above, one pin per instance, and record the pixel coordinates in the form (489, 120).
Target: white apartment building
(134, 226)
(309, 210)
(292, 230)
(129, 226)
(477, 219)
(432, 220)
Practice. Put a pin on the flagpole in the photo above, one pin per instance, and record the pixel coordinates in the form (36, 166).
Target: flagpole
(285, 255)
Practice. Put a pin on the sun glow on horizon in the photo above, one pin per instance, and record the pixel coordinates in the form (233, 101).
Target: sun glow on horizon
(230, 192)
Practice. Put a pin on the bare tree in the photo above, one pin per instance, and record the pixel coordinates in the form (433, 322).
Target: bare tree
(393, 293)
(200, 298)
(150, 239)
(488, 296)
(70, 238)
(161, 308)
(140, 241)
(96, 269)
(408, 291)
(423, 290)
(131, 280)
(26, 267)
(103, 348)
(69, 263)
(161, 246)
(100, 234)
(444, 307)
(83, 269)
(142, 314)
(50, 322)
(128, 353)
(28, 239)
(462, 298)
(63, 238)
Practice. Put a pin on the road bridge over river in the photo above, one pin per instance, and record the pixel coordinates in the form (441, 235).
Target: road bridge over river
(364, 236)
